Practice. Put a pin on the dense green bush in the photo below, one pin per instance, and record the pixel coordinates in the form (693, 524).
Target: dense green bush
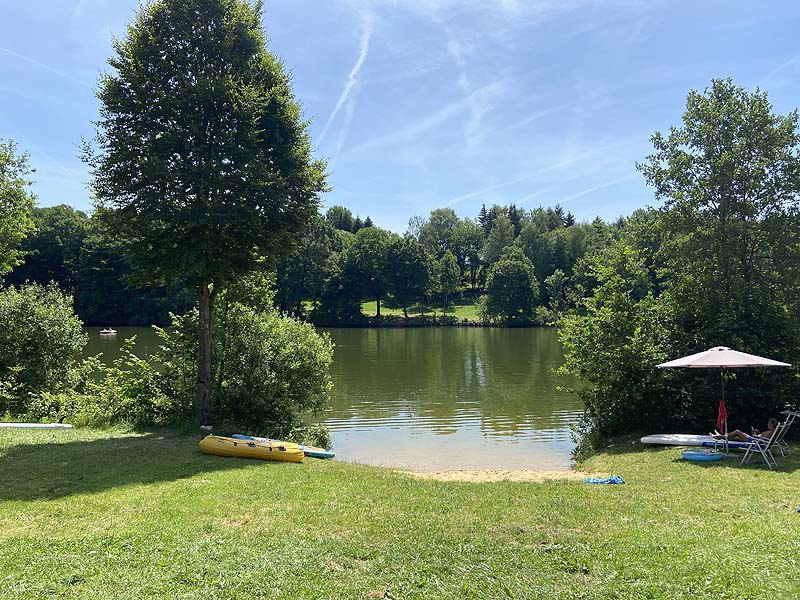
(270, 371)
(614, 346)
(40, 346)
(129, 391)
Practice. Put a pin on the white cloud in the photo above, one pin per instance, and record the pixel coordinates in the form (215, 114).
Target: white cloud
(528, 197)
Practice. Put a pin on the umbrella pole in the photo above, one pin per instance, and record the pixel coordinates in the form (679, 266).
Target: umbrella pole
(722, 379)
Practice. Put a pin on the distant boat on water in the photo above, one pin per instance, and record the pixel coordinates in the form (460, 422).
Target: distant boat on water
(108, 331)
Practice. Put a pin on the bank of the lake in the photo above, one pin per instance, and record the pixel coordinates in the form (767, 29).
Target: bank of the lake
(91, 514)
(439, 398)
(459, 312)
(462, 312)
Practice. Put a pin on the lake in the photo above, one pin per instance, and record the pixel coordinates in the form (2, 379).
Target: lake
(439, 398)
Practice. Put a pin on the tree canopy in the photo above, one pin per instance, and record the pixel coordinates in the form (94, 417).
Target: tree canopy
(730, 179)
(201, 151)
(340, 218)
(52, 251)
(500, 237)
(16, 204)
(409, 271)
(512, 290)
(437, 232)
(716, 265)
(366, 261)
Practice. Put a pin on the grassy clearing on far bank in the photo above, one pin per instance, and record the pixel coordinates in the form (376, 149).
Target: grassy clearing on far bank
(465, 309)
(91, 514)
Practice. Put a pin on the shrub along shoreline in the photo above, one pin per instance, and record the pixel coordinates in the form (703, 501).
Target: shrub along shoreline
(271, 373)
(117, 514)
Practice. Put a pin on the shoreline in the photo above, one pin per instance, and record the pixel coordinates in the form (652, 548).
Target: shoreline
(390, 323)
(499, 475)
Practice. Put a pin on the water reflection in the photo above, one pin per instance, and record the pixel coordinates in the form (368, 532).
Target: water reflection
(450, 398)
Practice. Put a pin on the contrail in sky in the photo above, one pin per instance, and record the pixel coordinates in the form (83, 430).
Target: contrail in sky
(352, 79)
(43, 66)
(596, 188)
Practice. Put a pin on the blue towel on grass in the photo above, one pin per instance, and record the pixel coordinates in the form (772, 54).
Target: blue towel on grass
(612, 479)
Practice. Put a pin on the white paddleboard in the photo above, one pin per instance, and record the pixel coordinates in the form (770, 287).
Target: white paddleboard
(688, 439)
(35, 426)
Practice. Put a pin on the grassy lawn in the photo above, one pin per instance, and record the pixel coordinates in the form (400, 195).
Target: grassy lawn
(461, 310)
(93, 514)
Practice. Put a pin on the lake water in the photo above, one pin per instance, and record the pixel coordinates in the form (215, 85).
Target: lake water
(439, 398)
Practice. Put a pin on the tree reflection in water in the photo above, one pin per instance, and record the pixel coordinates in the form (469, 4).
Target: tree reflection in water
(448, 398)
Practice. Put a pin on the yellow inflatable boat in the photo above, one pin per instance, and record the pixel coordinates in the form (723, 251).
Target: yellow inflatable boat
(225, 446)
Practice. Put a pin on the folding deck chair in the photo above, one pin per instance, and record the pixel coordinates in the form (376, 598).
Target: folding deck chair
(791, 415)
(764, 447)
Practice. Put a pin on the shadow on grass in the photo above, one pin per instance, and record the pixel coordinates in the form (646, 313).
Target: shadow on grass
(33, 471)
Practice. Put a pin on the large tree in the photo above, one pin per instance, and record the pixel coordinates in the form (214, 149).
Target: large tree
(449, 276)
(409, 271)
(512, 290)
(467, 242)
(366, 259)
(15, 204)
(500, 237)
(716, 265)
(730, 181)
(202, 151)
(340, 218)
(437, 232)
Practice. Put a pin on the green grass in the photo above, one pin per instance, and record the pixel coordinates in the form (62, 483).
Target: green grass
(461, 310)
(93, 514)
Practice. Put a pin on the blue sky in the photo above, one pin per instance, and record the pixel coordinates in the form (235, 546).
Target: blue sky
(419, 104)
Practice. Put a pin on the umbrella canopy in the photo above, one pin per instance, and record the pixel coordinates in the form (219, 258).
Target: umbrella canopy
(721, 357)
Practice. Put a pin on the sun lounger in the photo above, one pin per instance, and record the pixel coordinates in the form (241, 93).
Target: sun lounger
(791, 415)
(764, 447)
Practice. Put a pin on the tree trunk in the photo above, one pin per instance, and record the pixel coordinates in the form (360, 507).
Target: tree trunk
(378, 304)
(205, 322)
(222, 344)
(405, 312)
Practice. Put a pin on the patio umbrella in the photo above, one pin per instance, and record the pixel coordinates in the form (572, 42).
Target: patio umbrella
(721, 358)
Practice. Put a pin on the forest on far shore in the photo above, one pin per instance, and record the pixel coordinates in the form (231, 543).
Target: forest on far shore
(514, 266)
